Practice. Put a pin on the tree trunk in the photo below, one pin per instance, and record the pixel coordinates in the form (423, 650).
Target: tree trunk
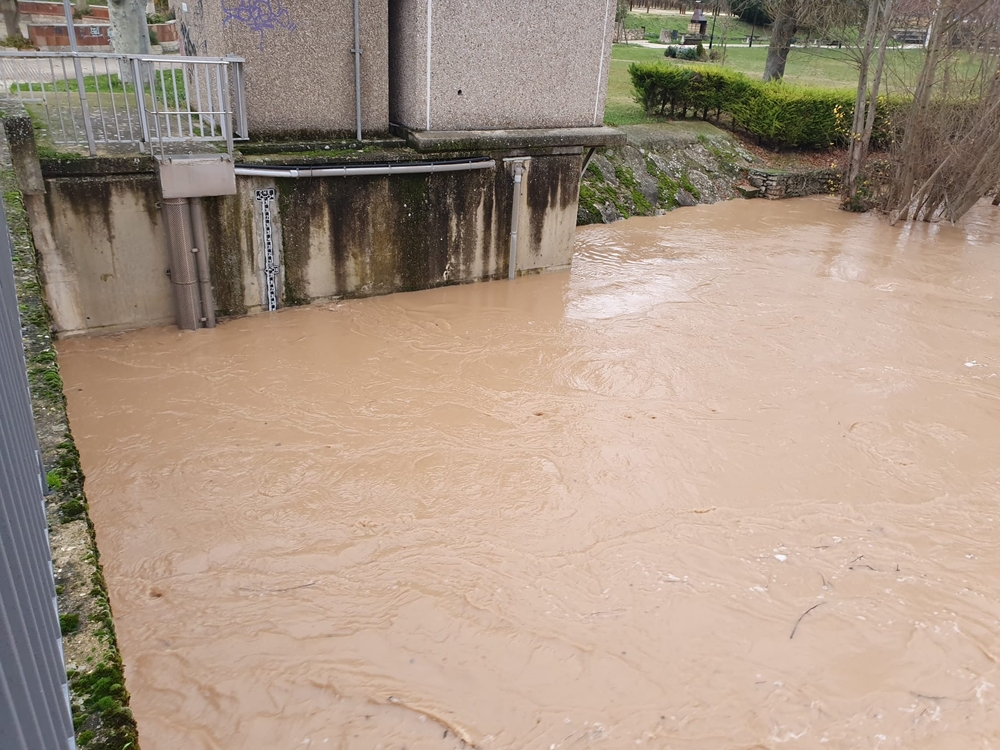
(11, 17)
(866, 102)
(782, 31)
(129, 32)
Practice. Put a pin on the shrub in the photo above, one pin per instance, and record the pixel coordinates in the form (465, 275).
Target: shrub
(700, 52)
(17, 42)
(688, 53)
(777, 113)
(154, 39)
(671, 51)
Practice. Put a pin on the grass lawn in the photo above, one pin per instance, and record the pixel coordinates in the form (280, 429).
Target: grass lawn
(829, 68)
(735, 31)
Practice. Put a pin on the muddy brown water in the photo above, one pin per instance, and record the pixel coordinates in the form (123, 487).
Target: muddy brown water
(732, 482)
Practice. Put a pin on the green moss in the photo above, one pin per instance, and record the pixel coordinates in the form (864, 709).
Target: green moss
(69, 624)
(689, 186)
(101, 725)
(666, 186)
(594, 172)
(626, 178)
(47, 152)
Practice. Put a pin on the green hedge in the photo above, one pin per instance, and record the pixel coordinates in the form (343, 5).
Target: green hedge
(778, 113)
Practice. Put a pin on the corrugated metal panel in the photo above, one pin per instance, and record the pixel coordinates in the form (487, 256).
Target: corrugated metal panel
(34, 701)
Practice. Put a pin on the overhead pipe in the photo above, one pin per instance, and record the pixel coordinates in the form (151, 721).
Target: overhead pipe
(357, 64)
(350, 170)
(515, 214)
(201, 257)
(183, 267)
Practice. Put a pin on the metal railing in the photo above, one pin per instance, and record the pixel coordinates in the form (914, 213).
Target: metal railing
(125, 103)
(34, 698)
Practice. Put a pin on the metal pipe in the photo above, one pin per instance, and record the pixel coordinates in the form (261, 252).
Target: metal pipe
(515, 215)
(348, 170)
(183, 270)
(88, 126)
(201, 256)
(586, 163)
(357, 64)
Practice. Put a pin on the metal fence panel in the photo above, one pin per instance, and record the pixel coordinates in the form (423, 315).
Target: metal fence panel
(126, 103)
(34, 698)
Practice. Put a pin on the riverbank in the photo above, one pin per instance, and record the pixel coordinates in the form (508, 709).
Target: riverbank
(101, 716)
(676, 164)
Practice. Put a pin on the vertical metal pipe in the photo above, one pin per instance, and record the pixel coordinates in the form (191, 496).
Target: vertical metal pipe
(357, 63)
(183, 270)
(87, 125)
(515, 216)
(204, 274)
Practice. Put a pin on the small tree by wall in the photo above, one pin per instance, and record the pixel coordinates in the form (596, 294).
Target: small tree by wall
(11, 17)
(129, 31)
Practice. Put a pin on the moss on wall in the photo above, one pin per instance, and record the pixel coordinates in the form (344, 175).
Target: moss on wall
(101, 716)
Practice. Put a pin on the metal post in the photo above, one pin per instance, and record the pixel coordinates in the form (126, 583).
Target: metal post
(515, 217)
(715, 18)
(140, 100)
(204, 273)
(87, 125)
(357, 64)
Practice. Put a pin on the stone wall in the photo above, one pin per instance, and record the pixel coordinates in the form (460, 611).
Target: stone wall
(776, 184)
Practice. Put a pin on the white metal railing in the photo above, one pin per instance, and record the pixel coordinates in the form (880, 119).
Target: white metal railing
(128, 102)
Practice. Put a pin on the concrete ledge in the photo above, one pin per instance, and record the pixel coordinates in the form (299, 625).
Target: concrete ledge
(98, 165)
(339, 147)
(493, 140)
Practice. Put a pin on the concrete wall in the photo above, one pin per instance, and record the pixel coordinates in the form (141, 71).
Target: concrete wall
(499, 64)
(300, 70)
(104, 255)
(104, 265)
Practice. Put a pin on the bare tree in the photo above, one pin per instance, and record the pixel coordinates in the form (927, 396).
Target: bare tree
(622, 8)
(948, 158)
(872, 46)
(129, 32)
(786, 14)
(11, 17)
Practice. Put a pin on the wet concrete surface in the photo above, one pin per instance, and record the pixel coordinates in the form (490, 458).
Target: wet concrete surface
(730, 482)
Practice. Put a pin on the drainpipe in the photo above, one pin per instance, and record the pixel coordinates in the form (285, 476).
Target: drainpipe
(349, 170)
(201, 256)
(357, 64)
(515, 214)
(183, 269)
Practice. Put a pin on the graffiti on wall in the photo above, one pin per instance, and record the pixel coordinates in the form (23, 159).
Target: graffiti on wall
(259, 16)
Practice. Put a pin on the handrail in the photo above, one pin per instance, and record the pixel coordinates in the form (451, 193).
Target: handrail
(125, 102)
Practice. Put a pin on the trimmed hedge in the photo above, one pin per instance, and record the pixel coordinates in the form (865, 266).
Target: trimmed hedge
(777, 113)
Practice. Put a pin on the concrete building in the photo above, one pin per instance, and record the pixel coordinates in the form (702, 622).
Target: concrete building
(498, 64)
(300, 75)
(478, 118)
(425, 64)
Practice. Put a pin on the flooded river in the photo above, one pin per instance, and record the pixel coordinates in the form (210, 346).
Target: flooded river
(732, 482)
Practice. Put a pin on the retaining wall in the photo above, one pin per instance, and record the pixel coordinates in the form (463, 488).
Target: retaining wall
(104, 257)
(775, 185)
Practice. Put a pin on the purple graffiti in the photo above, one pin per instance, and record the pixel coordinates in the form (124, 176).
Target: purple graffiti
(259, 15)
